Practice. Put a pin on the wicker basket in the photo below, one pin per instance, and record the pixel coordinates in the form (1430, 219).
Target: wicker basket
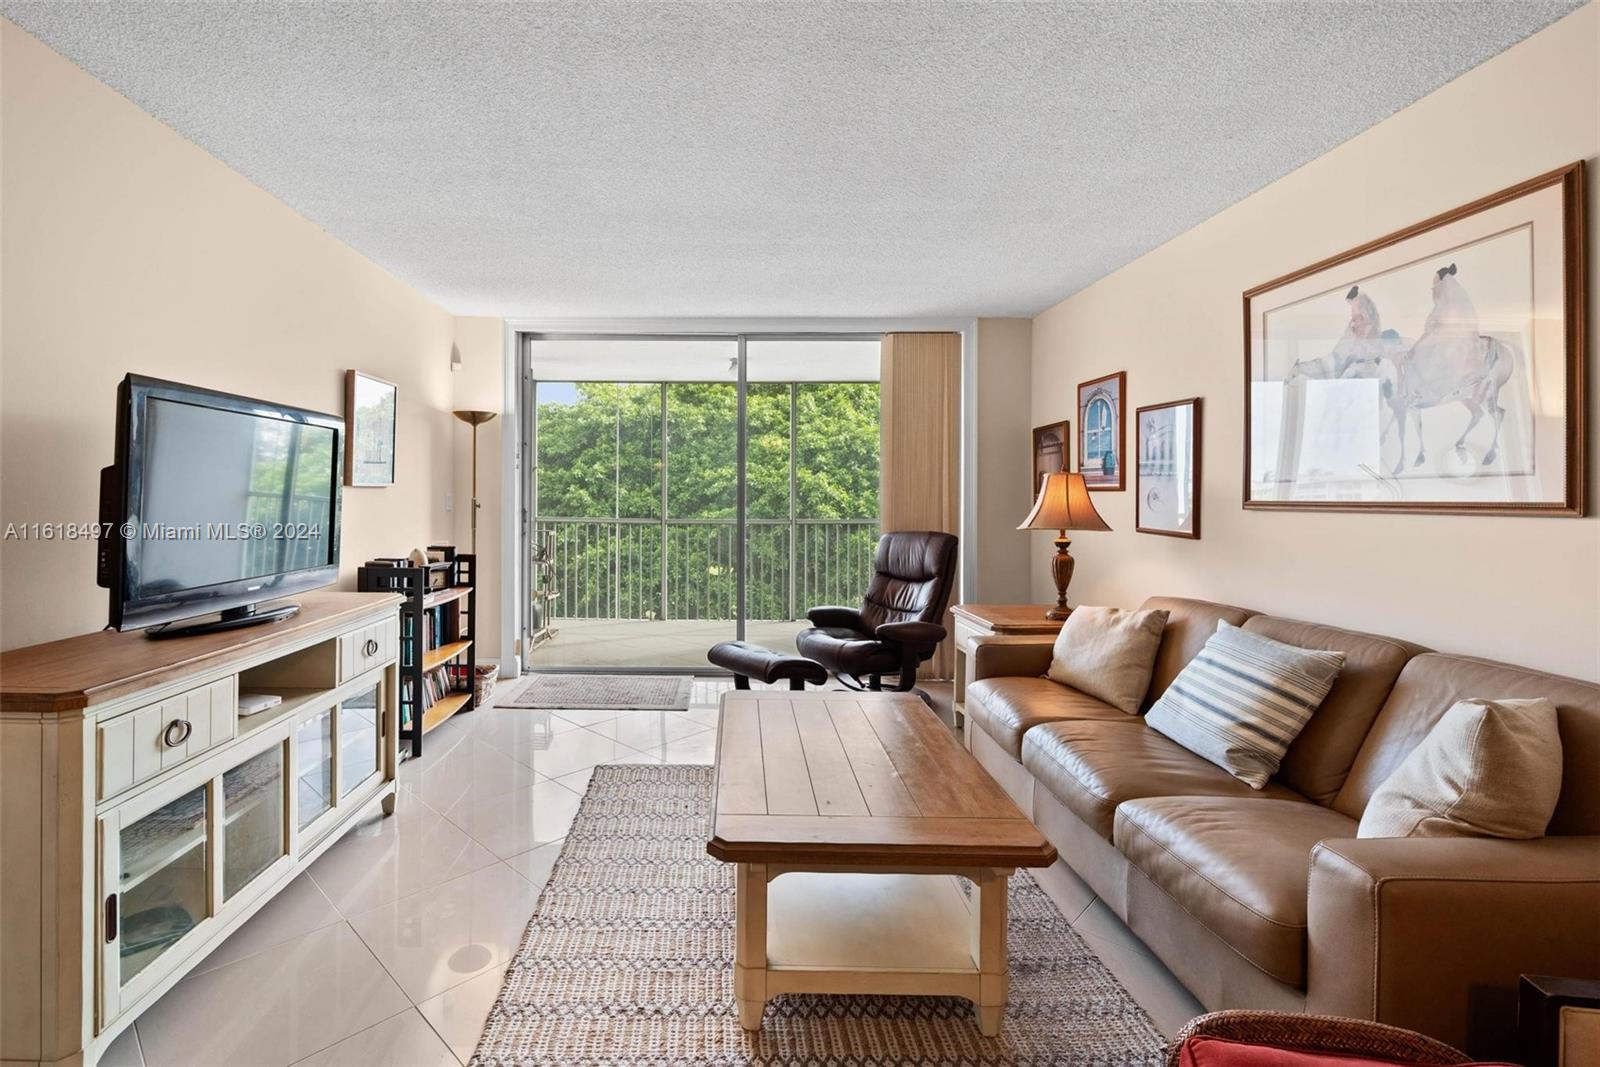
(483, 684)
(1319, 1034)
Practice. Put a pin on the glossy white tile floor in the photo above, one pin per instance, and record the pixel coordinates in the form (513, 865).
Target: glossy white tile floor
(391, 948)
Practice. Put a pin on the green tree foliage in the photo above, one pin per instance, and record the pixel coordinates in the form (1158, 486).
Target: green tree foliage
(600, 458)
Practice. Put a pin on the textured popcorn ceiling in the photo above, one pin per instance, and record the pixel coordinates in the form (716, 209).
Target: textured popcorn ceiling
(592, 159)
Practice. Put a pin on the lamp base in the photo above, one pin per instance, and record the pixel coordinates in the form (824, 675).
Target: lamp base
(1061, 565)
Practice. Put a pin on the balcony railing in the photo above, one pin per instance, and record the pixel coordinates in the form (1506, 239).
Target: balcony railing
(685, 568)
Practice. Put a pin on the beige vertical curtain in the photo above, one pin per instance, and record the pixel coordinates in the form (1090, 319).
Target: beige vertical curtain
(921, 443)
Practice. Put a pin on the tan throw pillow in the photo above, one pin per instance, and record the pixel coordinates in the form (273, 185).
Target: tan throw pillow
(1488, 768)
(1109, 653)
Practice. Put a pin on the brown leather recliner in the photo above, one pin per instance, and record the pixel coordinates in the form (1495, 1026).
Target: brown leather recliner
(900, 621)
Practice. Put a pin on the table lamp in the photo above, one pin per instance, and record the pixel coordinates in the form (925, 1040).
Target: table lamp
(1064, 504)
(474, 419)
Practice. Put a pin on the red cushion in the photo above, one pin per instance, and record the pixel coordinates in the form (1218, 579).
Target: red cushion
(1221, 1052)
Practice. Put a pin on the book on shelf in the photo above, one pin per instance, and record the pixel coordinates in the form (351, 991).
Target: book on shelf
(440, 683)
(435, 628)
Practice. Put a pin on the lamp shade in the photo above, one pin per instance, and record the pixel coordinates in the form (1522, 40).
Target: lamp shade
(475, 418)
(1064, 504)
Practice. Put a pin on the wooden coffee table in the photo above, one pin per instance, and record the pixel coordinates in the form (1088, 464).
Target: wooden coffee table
(852, 820)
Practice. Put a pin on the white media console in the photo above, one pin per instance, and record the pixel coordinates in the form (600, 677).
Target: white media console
(142, 819)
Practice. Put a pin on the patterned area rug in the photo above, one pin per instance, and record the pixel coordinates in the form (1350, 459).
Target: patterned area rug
(603, 692)
(629, 960)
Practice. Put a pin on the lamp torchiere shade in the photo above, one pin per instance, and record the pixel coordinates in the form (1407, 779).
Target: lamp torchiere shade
(475, 419)
(1064, 504)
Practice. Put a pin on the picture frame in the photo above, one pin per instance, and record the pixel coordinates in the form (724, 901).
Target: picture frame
(1437, 369)
(1168, 441)
(370, 404)
(1052, 446)
(1103, 433)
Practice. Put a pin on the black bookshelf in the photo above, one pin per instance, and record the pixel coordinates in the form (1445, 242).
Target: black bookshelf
(436, 635)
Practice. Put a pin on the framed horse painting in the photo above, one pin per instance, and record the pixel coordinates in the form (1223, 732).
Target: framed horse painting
(1439, 368)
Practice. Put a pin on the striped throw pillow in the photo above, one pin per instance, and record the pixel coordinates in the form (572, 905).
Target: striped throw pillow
(1243, 700)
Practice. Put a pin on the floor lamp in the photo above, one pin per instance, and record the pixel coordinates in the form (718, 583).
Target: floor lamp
(475, 419)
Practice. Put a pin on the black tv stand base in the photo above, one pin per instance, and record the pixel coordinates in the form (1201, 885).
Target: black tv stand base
(232, 619)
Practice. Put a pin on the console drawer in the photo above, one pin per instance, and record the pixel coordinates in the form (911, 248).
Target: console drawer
(365, 649)
(140, 744)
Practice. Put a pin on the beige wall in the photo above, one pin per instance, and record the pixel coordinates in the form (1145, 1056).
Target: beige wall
(479, 385)
(1523, 590)
(1003, 459)
(126, 248)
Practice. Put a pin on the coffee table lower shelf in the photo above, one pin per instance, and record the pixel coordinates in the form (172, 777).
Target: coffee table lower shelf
(907, 931)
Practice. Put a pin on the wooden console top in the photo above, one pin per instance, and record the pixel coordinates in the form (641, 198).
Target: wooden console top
(93, 668)
(864, 779)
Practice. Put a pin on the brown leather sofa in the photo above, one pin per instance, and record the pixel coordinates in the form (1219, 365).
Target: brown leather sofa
(1266, 899)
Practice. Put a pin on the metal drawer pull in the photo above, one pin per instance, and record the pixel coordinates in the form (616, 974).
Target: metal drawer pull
(183, 727)
(371, 647)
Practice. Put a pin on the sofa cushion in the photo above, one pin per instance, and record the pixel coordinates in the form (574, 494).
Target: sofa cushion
(1239, 866)
(1006, 708)
(1431, 684)
(1091, 767)
(1108, 653)
(1190, 624)
(1244, 699)
(1487, 769)
(1320, 758)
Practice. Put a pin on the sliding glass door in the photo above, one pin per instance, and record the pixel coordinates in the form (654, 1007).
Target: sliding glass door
(812, 479)
(685, 491)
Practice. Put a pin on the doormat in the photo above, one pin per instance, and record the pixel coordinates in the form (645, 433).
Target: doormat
(603, 692)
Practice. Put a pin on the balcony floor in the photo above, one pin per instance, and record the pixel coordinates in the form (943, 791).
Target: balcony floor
(677, 644)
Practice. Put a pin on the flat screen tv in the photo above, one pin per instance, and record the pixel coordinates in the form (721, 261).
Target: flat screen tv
(216, 504)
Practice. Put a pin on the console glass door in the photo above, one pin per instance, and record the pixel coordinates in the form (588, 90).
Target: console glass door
(314, 763)
(161, 880)
(360, 743)
(253, 837)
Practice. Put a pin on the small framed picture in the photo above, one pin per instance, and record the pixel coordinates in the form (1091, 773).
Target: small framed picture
(1102, 441)
(1167, 487)
(369, 415)
(1050, 451)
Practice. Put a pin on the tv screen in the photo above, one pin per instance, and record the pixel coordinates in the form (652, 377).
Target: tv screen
(224, 502)
(253, 491)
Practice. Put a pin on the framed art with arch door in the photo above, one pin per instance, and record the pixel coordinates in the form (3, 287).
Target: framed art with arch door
(1102, 436)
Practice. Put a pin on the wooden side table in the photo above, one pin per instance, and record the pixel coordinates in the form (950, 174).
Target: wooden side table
(978, 620)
